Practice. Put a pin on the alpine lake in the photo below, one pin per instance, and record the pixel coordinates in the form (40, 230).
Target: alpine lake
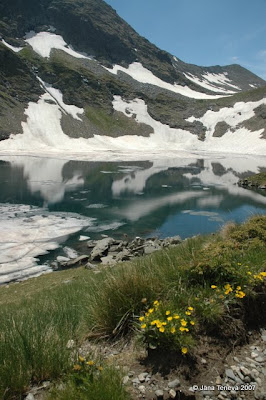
(86, 199)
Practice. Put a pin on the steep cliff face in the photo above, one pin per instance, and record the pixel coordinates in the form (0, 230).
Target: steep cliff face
(58, 54)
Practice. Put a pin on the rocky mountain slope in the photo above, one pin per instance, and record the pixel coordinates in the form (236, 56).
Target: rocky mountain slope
(75, 70)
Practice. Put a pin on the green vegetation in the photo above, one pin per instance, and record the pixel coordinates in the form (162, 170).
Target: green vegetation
(115, 124)
(257, 179)
(91, 381)
(214, 278)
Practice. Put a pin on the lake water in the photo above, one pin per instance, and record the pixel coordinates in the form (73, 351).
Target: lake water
(47, 205)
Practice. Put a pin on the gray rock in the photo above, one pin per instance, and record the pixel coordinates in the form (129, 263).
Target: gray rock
(91, 243)
(30, 397)
(108, 260)
(149, 249)
(142, 389)
(101, 248)
(230, 374)
(77, 261)
(173, 241)
(260, 359)
(159, 394)
(142, 377)
(90, 266)
(125, 380)
(174, 384)
(244, 370)
(123, 255)
(233, 394)
(131, 374)
(172, 393)
(62, 259)
(136, 381)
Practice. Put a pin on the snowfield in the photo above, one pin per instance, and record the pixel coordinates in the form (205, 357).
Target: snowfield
(43, 43)
(209, 81)
(143, 75)
(43, 134)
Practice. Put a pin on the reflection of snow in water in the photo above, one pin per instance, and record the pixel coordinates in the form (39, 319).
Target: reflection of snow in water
(112, 226)
(27, 232)
(140, 208)
(212, 216)
(45, 175)
(96, 206)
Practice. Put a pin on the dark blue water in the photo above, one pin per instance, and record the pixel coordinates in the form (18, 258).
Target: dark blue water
(142, 198)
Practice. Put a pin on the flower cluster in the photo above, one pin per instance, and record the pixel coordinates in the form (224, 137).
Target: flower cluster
(87, 368)
(228, 289)
(164, 328)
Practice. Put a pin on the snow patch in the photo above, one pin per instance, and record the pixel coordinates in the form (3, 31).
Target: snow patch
(15, 49)
(207, 85)
(43, 43)
(219, 79)
(233, 116)
(57, 95)
(43, 134)
(143, 75)
(27, 232)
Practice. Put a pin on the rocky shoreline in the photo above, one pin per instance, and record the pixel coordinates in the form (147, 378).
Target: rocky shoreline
(109, 251)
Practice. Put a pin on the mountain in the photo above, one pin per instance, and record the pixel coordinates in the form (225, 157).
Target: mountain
(76, 78)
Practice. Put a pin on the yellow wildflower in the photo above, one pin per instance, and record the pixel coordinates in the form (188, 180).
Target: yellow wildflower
(183, 322)
(238, 288)
(240, 294)
(182, 329)
(168, 312)
(150, 310)
(169, 318)
(213, 286)
(190, 308)
(188, 313)
(81, 359)
(162, 329)
(156, 302)
(192, 323)
(176, 316)
(164, 323)
(143, 326)
(173, 329)
(154, 322)
(249, 273)
(158, 324)
(141, 319)
(147, 314)
(77, 367)
(263, 273)
(184, 350)
(100, 368)
(90, 362)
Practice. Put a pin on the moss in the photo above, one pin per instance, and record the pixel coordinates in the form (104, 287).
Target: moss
(116, 123)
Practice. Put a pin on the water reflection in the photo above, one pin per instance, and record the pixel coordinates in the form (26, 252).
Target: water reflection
(163, 197)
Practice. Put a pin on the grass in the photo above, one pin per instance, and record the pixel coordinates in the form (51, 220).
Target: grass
(92, 384)
(38, 317)
(257, 179)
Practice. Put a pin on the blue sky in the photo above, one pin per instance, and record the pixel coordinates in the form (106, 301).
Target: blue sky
(202, 32)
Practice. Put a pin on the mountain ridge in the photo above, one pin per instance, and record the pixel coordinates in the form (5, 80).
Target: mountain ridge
(99, 57)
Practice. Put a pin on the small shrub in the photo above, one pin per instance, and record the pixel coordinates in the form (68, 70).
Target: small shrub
(162, 328)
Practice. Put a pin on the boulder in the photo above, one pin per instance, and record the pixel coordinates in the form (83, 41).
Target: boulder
(77, 261)
(101, 248)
